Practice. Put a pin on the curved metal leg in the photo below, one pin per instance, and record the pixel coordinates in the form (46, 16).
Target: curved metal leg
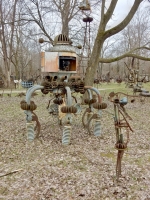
(31, 116)
(118, 165)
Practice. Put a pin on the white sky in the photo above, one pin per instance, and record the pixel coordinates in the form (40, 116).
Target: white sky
(122, 9)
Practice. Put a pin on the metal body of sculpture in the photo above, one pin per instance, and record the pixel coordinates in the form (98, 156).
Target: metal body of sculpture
(60, 68)
(121, 127)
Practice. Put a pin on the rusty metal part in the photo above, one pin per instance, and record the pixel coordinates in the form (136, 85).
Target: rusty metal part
(58, 101)
(98, 95)
(44, 91)
(87, 19)
(41, 40)
(89, 101)
(116, 100)
(94, 116)
(75, 84)
(74, 98)
(62, 39)
(120, 122)
(54, 84)
(118, 165)
(99, 105)
(84, 120)
(68, 109)
(38, 125)
(121, 146)
(46, 85)
(125, 124)
(111, 94)
(128, 95)
(24, 106)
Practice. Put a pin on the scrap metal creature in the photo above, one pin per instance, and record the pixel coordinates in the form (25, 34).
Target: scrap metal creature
(122, 127)
(63, 83)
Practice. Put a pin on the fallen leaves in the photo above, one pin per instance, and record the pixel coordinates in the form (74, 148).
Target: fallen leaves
(83, 170)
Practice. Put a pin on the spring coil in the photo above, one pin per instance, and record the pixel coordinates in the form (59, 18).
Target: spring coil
(97, 128)
(89, 101)
(66, 135)
(100, 106)
(30, 131)
(25, 106)
(68, 109)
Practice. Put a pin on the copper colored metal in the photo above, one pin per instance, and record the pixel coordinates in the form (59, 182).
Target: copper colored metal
(58, 101)
(41, 40)
(89, 101)
(33, 106)
(87, 19)
(121, 146)
(25, 106)
(100, 106)
(68, 109)
(118, 165)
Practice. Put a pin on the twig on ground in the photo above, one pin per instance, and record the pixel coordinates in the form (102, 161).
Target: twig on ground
(9, 173)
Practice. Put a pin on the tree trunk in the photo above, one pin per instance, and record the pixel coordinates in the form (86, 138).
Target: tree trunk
(94, 61)
(103, 34)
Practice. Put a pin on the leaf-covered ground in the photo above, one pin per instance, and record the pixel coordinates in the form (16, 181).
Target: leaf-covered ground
(85, 169)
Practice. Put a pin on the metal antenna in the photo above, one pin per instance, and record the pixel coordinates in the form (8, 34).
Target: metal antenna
(86, 50)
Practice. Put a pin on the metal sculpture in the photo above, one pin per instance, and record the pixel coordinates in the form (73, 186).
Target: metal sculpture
(59, 67)
(134, 81)
(85, 5)
(122, 127)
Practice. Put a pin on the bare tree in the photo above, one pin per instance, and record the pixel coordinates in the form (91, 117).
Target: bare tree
(103, 34)
(7, 14)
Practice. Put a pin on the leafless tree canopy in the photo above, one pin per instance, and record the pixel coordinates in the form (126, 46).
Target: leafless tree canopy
(23, 22)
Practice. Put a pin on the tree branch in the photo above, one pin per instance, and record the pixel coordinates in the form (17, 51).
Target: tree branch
(110, 60)
(110, 11)
(125, 22)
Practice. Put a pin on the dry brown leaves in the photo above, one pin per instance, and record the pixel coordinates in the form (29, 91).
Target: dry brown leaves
(85, 169)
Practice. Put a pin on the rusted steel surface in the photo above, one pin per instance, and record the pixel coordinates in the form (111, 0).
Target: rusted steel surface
(121, 123)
